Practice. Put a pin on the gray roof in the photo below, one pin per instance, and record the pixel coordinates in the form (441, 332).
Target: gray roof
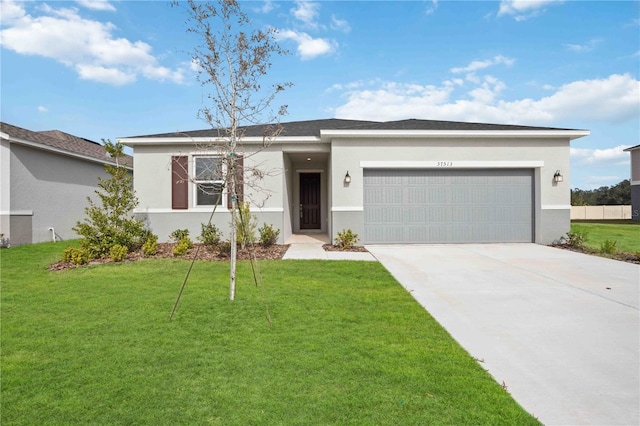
(313, 127)
(632, 148)
(63, 142)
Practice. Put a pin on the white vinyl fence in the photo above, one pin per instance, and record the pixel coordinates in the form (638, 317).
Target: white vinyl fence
(600, 212)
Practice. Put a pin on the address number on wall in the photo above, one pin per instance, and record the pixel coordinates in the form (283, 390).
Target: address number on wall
(444, 164)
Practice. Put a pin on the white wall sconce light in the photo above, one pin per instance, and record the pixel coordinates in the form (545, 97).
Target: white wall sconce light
(557, 177)
(347, 178)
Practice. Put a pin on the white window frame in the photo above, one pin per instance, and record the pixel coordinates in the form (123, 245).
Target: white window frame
(197, 182)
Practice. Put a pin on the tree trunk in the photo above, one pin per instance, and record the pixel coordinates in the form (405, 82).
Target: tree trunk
(234, 237)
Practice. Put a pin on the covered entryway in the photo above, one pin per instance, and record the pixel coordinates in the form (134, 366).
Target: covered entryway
(448, 206)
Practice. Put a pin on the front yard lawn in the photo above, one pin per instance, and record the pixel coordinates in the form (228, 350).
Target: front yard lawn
(625, 233)
(348, 345)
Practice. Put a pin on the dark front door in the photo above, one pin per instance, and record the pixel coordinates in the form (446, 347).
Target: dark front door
(310, 201)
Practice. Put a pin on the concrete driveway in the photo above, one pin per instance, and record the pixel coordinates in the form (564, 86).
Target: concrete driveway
(559, 329)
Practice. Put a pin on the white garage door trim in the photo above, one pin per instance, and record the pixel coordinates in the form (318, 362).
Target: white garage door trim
(448, 205)
(445, 164)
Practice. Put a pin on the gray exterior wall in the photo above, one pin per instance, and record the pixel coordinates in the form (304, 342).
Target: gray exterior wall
(50, 188)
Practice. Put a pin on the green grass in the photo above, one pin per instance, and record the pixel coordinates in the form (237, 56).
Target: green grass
(348, 345)
(626, 233)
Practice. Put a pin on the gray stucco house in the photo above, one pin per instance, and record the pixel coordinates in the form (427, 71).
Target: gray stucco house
(408, 181)
(635, 181)
(45, 179)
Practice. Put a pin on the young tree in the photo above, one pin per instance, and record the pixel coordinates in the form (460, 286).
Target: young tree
(232, 60)
(112, 222)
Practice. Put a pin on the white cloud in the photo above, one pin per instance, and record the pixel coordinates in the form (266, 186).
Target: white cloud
(612, 99)
(103, 5)
(339, 24)
(478, 65)
(524, 9)
(610, 156)
(308, 47)
(267, 6)
(307, 12)
(10, 12)
(587, 47)
(87, 46)
(43, 109)
(432, 7)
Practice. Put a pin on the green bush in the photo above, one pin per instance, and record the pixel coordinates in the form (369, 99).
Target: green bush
(179, 234)
(118, 253)
(246, 225)
(110, 220)
(346, 239)
(150, 246)
(608, 247)
(576, 239)
(225, 247)
(77, 256)
(268, 235)
(182, 247)
(210, 235)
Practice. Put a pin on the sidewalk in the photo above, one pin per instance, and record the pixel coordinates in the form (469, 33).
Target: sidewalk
(310, 247)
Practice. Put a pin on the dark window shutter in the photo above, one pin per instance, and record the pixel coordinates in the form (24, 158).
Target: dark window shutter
(179, 182)
(239, 180)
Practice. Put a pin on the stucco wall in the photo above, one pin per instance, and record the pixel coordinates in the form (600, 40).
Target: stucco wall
(551, 198)
(153, 178)
(54, 188)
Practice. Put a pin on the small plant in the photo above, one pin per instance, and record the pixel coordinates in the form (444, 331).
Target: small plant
(575, 239)
(346, 239)
(225, 247)
(179, 234)
(268, 235)
(4, 242)
(182, 247)
(210, 235)
(608, 247)
(77, 256)
(150, 246)
(118, 253)
(246, 225)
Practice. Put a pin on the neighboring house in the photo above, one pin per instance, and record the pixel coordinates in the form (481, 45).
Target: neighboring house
(635, 181)
(409, 181)
(45, 179)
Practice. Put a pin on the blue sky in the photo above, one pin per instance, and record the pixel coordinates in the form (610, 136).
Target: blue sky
(108, 69)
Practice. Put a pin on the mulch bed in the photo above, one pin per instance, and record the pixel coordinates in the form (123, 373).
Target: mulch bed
(165, 250)
(622, 256)
(331, 247)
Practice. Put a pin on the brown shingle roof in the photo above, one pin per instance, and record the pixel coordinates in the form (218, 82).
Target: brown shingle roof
(64, 142)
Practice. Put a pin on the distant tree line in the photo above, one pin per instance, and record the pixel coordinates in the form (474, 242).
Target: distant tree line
(619, 194)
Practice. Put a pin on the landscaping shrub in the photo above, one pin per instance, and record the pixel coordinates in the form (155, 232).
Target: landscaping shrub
(246, 225)
(4, 242)
(112, 222)
(150, 246)
(179, 234)
(118, 253)
(77, 256)
(268, 235)
(576, 239)
(608, 247)
(183, 246)
(225, 247)
(346, 239)
(210, 235)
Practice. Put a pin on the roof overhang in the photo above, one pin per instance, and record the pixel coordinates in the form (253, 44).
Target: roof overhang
(632, 148)
(214, 140)
(327, 135)
(52, 149)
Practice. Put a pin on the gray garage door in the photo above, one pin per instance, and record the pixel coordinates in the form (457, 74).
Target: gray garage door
(448, 206)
